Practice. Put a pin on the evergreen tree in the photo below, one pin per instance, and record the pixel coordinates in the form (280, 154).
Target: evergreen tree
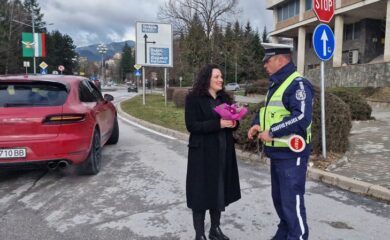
(33, 11)
(264, 37)
(60, 51)
(197, 52)
(127, 62)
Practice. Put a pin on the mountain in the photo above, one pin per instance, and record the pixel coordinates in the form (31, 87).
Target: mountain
(92, 54)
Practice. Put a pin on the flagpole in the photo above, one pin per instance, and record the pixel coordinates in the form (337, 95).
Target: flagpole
(33, 33)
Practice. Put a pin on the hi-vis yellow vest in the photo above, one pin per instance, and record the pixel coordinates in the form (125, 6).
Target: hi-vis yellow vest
(274, 111)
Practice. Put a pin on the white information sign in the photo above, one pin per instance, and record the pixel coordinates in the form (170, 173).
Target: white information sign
(154, 44)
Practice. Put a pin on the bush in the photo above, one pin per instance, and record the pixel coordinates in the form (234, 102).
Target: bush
(360, 109)
(179, 97)
(241, 135)
(338, 125)
(170, 91)
(258, 87)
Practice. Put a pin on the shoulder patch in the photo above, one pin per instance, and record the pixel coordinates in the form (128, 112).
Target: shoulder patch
(300, 94)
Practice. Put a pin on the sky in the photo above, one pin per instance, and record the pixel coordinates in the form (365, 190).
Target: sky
(103, 21)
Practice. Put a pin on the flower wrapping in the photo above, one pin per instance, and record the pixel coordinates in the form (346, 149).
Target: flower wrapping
(230, 112)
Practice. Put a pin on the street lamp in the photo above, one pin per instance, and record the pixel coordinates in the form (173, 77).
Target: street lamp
(102, 49)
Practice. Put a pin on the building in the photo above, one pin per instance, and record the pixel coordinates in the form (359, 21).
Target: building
(362, 39)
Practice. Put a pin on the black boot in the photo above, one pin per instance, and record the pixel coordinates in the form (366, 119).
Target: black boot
(203, 237)
(198, 218)
(217, 234)
(215, 231)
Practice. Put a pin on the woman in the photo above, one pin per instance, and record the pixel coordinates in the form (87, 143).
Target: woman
(212, 174)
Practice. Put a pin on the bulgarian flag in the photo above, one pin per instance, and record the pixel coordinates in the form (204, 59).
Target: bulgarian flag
(34, 45)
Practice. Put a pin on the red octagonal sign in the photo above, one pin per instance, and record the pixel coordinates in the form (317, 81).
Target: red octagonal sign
(324, 9)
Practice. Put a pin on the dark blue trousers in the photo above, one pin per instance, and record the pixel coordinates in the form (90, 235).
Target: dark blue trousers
(288, 177)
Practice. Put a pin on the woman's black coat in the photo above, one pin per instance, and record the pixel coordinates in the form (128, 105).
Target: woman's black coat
(203, 156)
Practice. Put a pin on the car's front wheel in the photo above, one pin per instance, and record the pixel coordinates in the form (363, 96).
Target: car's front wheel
(92, 165)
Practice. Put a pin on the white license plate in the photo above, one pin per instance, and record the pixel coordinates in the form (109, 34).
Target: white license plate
(12, 152)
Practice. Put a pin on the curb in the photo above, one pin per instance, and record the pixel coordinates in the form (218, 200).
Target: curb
(349, 184)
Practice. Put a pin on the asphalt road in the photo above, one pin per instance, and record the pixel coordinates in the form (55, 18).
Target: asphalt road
(140, 194)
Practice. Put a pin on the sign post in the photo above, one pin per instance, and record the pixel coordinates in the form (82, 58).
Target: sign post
(324, 44)
(26, 64)
(154, 47)
(61, 68)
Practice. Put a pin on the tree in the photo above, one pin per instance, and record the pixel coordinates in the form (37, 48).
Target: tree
(127, 61)
(60, 51)
(209, 12)
(264, 37)
(34, 11)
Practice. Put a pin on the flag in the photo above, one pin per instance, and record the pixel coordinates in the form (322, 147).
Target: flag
(34, 45)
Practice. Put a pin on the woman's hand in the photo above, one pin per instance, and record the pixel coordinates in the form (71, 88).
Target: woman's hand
(228, 123)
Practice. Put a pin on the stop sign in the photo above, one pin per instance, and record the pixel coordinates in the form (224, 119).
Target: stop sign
(324, 9)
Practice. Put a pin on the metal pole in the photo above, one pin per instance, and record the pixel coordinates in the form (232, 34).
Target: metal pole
(323, 120)
(165, 85)
(235, 77)
(102, 70)
(143, 85)
(33, 33)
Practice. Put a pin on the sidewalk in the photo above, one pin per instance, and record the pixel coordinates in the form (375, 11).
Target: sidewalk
(368, 158)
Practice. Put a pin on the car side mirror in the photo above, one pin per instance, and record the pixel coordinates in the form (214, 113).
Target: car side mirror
(108, 97)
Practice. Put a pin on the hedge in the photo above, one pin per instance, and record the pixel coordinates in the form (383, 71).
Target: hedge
(338, 125)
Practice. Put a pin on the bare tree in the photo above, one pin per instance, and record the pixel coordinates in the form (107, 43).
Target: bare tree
(182, 12)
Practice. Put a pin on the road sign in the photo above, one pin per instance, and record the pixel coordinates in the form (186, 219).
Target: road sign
(323, 42)
(43, 71)
(137, 66)
(154, 44)
(324, 9)
(43, 65)
(137, 73)
(61, 68)
(26, 64)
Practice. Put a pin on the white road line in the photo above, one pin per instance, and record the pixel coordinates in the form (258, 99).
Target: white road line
(145, 128)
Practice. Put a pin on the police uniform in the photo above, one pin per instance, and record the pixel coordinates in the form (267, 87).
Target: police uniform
(288, 110)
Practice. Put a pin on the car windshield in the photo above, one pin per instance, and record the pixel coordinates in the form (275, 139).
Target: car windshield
(22, 94)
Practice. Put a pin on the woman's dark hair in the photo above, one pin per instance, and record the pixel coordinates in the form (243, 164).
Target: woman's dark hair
(202, 82)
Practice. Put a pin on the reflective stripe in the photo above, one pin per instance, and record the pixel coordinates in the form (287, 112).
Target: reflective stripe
(298, 200)
(275, 104)
(298, 161)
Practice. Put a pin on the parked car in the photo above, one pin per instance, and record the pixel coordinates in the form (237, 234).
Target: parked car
(132, 88)
(232, 87)
(54, 121)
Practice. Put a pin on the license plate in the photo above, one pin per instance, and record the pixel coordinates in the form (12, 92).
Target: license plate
(12, 153)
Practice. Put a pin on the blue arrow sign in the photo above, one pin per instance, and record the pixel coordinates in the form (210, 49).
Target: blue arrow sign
(323, 42)
(137, 73)
(43, 70)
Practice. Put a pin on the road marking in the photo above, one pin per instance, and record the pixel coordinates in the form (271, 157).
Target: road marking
(145, 128)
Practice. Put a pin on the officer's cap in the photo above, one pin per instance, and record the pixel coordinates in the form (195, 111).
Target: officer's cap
(272, 49)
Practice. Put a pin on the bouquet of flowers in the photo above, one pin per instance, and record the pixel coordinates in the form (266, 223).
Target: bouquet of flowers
(230, 112)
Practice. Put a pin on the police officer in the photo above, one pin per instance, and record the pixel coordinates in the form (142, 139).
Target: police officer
(288, 110)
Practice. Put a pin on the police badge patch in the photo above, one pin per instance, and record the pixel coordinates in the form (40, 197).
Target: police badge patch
(300, 94)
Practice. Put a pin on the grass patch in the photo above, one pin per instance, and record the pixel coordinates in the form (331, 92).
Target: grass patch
(240, 92)
(155, 111)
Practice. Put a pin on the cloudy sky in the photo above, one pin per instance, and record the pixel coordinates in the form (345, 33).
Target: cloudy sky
(104, 21)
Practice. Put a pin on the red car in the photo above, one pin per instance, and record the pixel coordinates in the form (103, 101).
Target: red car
(54, 121)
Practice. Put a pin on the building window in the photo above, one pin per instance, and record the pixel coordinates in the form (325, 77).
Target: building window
(352, 31)
(309, 5)
(288, 10)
